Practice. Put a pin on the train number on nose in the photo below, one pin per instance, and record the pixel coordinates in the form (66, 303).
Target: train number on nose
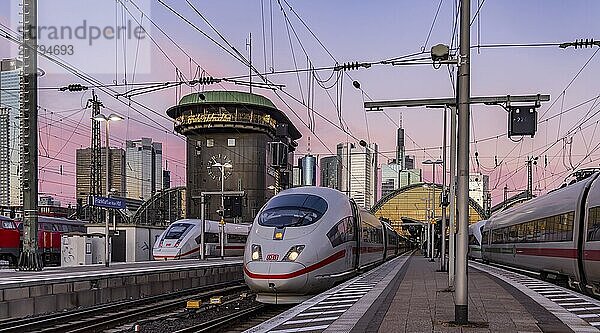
(272, 256)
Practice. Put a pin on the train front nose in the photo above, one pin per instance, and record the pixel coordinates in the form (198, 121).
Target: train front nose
(275, 277)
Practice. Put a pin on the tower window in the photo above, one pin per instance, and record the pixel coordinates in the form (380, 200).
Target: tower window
(231, 142)
(210, 142)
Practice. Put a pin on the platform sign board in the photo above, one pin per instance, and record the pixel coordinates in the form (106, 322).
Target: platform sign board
(105, 202)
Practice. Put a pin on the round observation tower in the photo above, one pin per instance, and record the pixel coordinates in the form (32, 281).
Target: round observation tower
(228, 135)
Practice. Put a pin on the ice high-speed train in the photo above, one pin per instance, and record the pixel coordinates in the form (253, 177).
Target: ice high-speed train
(557, 235)
(306, 239)
(181, 240)
(475, 240)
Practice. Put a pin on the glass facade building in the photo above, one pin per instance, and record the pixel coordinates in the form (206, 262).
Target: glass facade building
(143, 168)
(10, 133)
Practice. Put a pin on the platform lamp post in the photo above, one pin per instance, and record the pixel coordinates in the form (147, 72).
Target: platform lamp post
(433, 164)
(107, 120)
(222, 167)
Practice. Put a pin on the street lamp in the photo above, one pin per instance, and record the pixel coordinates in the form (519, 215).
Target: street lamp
(432, 233)
(222, 167)
(111, 117)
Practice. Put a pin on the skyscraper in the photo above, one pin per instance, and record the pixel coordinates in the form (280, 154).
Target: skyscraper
(331, 170)
(166, 179)
(479, 189)
(389, 178)
(143, 168)
(359, 172)
(116, 174)
(308, 167)
(10, 131)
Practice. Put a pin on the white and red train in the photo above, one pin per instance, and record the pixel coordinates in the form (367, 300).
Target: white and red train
(306, 239)
(557, 235)
(181, 240)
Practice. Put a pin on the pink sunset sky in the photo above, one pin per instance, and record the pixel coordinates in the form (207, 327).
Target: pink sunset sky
(364, 31)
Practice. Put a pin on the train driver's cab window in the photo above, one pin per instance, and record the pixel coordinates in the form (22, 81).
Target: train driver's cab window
(593, 226)
(342, 232)
(177, 230)
(292, 210)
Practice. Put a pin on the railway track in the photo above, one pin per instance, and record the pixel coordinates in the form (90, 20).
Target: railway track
(98, 318)
(239, 321)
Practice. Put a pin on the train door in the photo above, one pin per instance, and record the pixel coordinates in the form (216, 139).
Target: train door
(357, 234)
(589, 237)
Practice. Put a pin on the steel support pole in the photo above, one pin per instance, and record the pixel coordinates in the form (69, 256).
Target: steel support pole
(443, 235)
(222, 223)
(107, 217)
(452, 236)
(461, 301)
(202, 225)
(432, 219)
(30, 258)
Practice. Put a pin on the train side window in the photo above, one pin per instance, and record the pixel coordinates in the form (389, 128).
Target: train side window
(484, 237)
(211, 237)
(569, 219)
(231, 238)
(593, 227)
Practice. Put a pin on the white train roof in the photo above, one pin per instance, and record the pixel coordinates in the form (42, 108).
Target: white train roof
(213, 226)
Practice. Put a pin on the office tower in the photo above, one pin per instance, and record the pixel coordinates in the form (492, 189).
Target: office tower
(359, 172)
(10, 131)
(143, 168)
(479, 189)
(308, 167)
(116, 166)
(166, 180)
(331, 170)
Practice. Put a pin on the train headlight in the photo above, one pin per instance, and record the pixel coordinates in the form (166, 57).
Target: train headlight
(256, 252)
(293, 253)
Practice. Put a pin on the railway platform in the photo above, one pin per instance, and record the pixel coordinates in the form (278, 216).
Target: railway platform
(25, 293)
(408, 294)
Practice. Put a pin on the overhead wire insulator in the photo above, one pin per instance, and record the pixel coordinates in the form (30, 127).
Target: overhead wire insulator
(351, 66)
(208, 80)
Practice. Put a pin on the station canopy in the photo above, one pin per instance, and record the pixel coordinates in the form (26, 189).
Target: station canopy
(410, 204)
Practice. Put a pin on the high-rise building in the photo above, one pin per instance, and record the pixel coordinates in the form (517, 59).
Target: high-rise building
(389, 178)
(308, 167)
(359, 172)
(400, 153)
(296, 176)
(116, 179)
(10, 133)
(331, 170)
(166, 179)
(144, 168)
(479, 189)
(409, 162)
(410, 176)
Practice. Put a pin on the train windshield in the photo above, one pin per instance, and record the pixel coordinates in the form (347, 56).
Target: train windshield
(177, 230)
(293, 210)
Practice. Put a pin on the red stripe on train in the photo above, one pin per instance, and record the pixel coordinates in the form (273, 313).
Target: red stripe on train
(338, 255)
(592, 255)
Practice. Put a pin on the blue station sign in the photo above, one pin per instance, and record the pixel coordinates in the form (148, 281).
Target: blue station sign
(108, 202)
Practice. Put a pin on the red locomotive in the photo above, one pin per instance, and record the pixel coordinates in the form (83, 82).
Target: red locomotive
(50, 230)
(9, 241)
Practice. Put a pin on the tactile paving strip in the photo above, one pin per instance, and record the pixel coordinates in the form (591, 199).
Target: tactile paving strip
(319, 312)
(583, 307)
